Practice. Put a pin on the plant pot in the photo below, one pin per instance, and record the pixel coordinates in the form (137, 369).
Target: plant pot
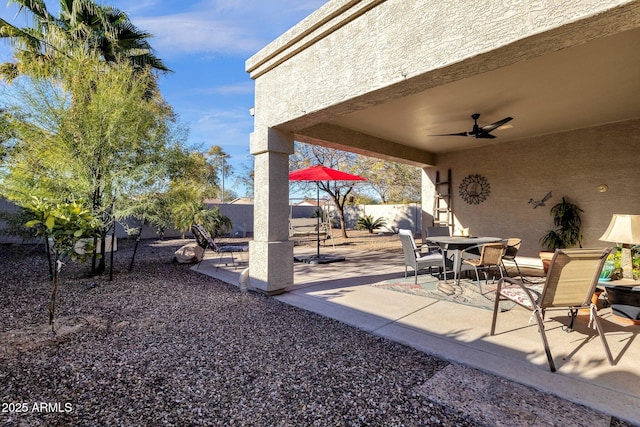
(545, 256)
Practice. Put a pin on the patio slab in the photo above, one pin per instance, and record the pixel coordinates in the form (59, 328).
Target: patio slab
(460, 333)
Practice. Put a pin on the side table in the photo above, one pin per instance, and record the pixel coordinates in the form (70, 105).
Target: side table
(624, 297)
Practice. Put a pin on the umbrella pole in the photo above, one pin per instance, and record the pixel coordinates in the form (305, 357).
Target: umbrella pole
(318, 212)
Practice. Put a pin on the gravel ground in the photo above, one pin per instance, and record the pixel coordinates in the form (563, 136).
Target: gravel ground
(163, 345)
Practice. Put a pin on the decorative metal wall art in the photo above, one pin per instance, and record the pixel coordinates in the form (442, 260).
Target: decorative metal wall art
(537, 203)
(474, 189)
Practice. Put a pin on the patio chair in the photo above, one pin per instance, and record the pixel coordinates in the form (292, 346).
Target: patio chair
(512, 246)
(490, 256)
(205, 241)
(413, 257)
(570, 283)
(435, 231)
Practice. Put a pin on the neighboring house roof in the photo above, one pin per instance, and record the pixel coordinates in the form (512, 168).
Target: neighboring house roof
(311, 202)
(212, 201)
(242, 201)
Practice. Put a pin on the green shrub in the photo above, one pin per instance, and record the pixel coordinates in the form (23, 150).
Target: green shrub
(368, 223)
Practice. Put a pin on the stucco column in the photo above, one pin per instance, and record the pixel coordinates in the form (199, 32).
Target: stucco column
(427, 195)
(271, 252)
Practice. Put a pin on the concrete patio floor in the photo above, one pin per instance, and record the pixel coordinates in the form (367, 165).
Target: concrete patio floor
(460, 333)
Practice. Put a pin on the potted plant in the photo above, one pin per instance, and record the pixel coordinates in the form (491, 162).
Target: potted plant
(567, 234)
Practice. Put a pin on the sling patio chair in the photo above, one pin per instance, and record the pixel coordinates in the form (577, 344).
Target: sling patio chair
(490, 257)
(413, 257)
(570, 283)
(205, 241)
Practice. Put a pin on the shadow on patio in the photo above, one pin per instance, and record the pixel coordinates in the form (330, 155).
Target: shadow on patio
(460, 333)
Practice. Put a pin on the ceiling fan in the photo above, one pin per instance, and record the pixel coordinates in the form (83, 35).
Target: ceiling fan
(481, 132)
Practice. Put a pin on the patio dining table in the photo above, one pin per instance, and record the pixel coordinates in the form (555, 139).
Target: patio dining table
(456, 244)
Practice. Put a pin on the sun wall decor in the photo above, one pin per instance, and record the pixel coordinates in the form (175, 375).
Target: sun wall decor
(474, 189)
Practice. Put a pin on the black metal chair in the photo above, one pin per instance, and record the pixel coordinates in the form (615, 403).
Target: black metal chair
(205, 241)
(512, 246)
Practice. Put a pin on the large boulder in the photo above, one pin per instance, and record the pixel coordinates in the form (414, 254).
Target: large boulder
(189, 254)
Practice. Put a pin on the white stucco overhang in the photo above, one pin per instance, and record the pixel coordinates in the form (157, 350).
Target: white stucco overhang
(382, 77)
(580, 74)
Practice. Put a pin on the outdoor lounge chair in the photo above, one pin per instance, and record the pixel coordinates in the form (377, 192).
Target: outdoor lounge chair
(205, 241)
(413, 258)
(570, 284)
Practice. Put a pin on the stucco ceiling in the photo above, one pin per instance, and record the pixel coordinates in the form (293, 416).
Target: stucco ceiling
(588, 85)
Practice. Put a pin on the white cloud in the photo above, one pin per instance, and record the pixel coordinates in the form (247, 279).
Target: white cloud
(244, 88)
(217, 26)
(215, 126)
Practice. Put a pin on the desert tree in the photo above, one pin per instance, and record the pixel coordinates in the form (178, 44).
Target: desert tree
(89, 133)
(307, 155)
(392, 182)
(65, 224)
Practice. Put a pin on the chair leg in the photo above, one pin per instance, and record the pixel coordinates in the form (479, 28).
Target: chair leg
(496, 306)
(504, 267)
(518, 268)
(573, 312)
(478, 278)
(596, 318)
(543, 335)
(204, 251)
(499, 266)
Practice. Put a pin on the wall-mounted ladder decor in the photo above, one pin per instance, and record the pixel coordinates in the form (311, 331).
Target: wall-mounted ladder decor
(442, 209)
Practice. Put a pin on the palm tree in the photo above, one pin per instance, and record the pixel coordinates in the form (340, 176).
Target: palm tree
(104, 30)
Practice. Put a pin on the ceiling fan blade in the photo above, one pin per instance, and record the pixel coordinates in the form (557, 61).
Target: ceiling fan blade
(496, 125)
(484, 135)
(483, 132)
(454, 134)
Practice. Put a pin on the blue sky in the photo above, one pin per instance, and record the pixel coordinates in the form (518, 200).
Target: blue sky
(206, 44)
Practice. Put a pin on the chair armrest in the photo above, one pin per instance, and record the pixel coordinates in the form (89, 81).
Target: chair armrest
(427, 250)
(469, 250)
(432, 246)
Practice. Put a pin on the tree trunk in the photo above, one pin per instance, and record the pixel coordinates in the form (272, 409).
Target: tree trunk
(340, 208)
(54, 290)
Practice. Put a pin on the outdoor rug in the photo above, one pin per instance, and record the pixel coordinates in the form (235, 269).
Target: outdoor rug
(466, 292)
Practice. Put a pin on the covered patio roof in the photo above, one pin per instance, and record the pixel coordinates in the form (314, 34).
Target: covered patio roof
(577, 75)
(384, 77)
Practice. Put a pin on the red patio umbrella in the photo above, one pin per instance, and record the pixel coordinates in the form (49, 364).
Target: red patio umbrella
(321, 173)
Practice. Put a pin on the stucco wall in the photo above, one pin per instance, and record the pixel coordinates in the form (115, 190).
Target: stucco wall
(529, 169)
(355, 53)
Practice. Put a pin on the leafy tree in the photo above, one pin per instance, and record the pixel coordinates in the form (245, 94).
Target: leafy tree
(218, 161)
(104, 30)
(360, 198)
(90, 133)
(65, 224)
(392, 182)
(246, 178)
(213, 221)
(307, 155)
